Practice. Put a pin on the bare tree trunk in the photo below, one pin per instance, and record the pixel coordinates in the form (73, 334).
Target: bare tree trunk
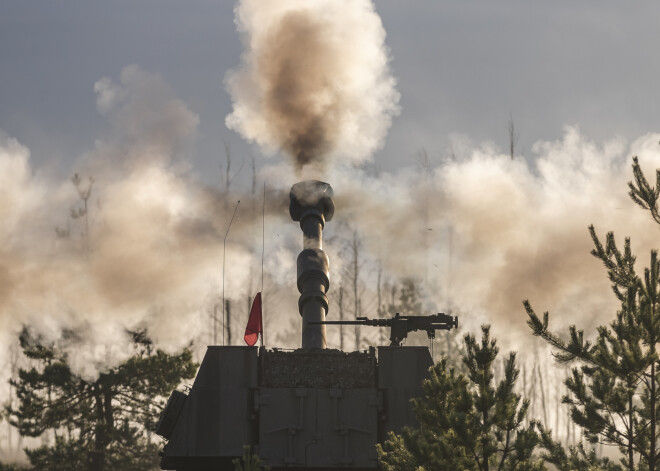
(381, 330)
(254, 174)
(568, 431)
(532, 389)
(86, 226)
(631, 466)
(97, 454)
(13, 356)
(227, 165)
(653, 418)
(425, 167)
(84, 193)
(341, 318)
(523, 370)
(356, 294)
(653, 399)
(557, 399)
(264, 315)
(542, 388)
(228, 308)
(450, 307)
(513, 137)
(249, 293)
(215, 324)
(357, 328)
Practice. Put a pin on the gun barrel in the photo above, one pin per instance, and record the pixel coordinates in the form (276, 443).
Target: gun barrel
(355, 322)
(401, 326)
(440, 321)
(311, 204)
(444, 326)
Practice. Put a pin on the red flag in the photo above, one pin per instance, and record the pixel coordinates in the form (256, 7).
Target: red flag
(254, 327)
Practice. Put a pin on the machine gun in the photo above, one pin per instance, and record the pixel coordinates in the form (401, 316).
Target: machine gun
(401, 326)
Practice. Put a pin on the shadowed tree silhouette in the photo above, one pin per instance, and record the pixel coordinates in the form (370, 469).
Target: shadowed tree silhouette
(98, 424)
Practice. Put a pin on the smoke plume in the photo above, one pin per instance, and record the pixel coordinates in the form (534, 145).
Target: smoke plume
(314, 80)
(478, 230)
(148, 251)
(482, 232)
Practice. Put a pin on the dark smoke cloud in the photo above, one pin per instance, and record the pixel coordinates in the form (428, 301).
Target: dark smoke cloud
(314, 82)
(294, 64)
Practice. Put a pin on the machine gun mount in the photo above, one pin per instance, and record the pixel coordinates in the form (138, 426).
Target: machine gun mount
(400, 326)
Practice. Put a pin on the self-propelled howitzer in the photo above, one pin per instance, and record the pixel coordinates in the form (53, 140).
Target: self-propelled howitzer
(400, 326)
(310, 409)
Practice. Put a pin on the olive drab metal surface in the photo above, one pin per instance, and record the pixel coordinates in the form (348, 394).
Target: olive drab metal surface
(311, 204)
(308, 409)
(401, 371)
(318, 428)
(215, 421)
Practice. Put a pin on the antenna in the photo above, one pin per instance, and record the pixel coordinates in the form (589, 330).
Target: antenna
(215, 323)
(263, 247)
(224, 251)
(263, 239)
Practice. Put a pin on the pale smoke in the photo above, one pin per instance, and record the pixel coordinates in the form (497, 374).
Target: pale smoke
(153, 255)
(314, 80)
(483, 232)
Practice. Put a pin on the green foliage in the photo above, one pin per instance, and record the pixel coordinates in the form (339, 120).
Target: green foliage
(613, 392)
(395, 454)
(14, 467)
(644, 194)
(249, 462)
(63, 455)
(467, 421)
(577, 458)
(98, 424)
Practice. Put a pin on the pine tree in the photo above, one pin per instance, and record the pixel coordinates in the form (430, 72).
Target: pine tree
(13, 467)
(613, 393)
(98, 424)
(249, 462)
(467, 421)
(577, 458)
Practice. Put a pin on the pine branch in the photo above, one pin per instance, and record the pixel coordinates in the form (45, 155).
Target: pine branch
(642, 193)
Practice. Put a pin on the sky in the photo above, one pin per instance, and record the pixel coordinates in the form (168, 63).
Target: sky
(137, 94)
(462, 69)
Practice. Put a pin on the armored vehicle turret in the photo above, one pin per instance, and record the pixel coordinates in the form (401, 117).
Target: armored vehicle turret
(309, 409)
